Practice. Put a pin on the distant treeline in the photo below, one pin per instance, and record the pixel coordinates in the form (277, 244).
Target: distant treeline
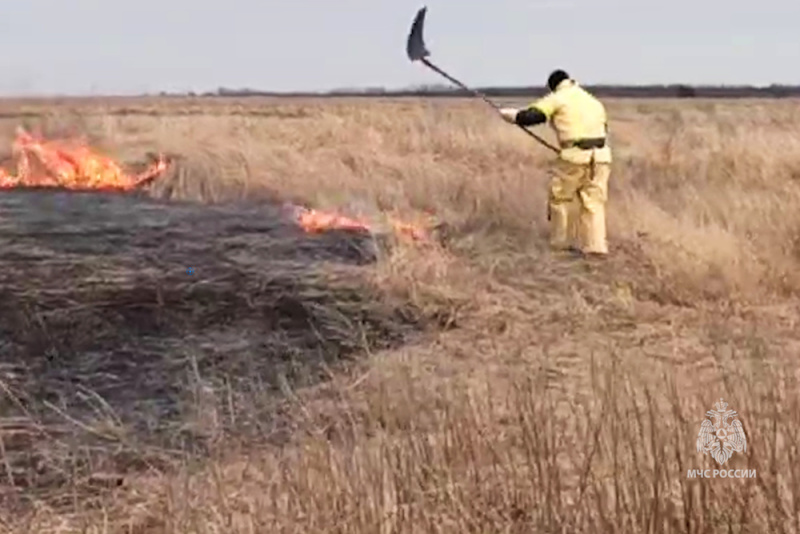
(618, 91)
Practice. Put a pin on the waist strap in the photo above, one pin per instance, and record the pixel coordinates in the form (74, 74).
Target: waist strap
(585, 144)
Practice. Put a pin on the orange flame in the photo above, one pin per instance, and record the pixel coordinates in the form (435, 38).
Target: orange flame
(72, 165)
(315, 221)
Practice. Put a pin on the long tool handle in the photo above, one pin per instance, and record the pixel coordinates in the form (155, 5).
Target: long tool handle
(485, 99)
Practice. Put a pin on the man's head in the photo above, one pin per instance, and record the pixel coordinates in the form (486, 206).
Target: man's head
(555, 78)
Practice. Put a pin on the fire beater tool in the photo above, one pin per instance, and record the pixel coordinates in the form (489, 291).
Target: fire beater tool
(417, 51)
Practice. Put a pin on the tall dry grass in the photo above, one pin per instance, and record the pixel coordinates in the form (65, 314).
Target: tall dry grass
(565, 397)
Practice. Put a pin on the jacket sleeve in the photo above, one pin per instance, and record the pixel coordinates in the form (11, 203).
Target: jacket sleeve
(530, 116)
(548, 104)
(538, 112)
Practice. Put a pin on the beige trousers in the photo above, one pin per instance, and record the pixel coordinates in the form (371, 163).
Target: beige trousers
(576, 207)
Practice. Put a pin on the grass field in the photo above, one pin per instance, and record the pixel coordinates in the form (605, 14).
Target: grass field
(536, 394)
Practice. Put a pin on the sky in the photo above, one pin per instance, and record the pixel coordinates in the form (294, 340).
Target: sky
(135, 46)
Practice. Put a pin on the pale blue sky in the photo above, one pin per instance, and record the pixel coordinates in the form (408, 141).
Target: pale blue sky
(121, 47)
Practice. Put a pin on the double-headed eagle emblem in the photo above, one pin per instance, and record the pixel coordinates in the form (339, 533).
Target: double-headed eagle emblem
(722, 437)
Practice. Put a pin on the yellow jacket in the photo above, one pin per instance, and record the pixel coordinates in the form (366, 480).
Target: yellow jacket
(575, 114)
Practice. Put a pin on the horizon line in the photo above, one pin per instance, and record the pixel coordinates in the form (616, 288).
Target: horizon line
(668, 89)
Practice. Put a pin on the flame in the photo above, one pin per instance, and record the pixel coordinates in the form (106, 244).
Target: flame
(70, 164)
(316, 221)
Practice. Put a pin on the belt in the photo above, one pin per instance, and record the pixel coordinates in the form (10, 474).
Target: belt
(585, 144)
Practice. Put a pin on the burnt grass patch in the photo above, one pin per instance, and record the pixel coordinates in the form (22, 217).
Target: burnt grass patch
(133, 330)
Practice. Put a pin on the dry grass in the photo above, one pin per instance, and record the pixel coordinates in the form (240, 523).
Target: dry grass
(562, 397)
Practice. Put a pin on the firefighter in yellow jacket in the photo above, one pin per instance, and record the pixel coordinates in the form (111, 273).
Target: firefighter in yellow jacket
(583, 167)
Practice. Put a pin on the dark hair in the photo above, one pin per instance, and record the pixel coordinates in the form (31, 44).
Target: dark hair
(555, 78)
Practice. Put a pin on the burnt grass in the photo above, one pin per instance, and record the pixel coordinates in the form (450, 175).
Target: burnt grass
(126, 321)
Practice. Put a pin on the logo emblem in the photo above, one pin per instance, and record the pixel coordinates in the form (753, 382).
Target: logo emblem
(723, 436)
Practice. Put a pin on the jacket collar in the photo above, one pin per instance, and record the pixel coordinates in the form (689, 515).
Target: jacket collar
(564, 84)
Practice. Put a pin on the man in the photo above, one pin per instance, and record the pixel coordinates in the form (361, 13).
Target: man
(583, 167)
